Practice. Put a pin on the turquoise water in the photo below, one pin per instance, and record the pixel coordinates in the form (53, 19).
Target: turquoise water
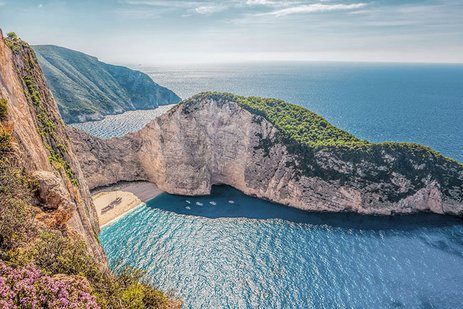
(255, 254)
(228, 250)
(118, 125)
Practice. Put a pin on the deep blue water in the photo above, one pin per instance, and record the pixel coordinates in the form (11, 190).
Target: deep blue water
(256, 254)
(420, 103)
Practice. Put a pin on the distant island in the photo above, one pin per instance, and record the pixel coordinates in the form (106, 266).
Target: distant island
(88, 89)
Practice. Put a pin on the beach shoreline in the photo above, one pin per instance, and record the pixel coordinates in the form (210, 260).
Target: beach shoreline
(112, 202)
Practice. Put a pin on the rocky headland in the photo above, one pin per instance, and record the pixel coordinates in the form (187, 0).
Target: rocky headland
(277, 151)
(88, 89)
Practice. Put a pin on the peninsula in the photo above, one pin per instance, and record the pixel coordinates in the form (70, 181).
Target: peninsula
(276, 151)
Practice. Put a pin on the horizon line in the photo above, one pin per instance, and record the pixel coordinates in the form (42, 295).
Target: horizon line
(244, 61)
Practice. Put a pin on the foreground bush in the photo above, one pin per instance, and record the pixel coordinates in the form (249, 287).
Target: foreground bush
(16, 214)
(41, 267)
(28, 287)
(3, 109)
(62, 264)
(55, 254)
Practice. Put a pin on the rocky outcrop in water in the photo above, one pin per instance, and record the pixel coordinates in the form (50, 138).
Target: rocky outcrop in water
(224, 139)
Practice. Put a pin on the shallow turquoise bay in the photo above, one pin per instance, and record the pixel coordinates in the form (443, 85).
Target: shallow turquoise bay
(256, 254)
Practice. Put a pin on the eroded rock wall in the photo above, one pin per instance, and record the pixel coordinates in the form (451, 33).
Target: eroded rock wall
(209, 141)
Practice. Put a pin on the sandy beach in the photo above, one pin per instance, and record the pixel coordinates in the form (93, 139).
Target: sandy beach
(113, 201)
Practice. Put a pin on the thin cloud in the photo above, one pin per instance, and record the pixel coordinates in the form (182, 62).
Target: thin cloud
(260, 2)
(271, 3)
(209, 9)
(313, 8)
(211, 4)
(163, 3)
(199, 7)
(139, 14)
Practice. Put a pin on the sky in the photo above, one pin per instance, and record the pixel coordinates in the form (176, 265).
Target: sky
(153, 32)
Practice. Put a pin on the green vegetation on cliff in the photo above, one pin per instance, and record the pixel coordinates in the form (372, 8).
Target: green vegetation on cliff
(324, 151)
(54, 261)
(47, 122)
(3, 109)
(5, 136)
(303, 127)
(88, 89)
(25, 242)
(298, 123)
(306, 127)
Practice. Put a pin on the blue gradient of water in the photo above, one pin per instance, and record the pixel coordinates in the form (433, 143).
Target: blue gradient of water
(420, 103)
(255, 254)
(121, 124)
(247, 253)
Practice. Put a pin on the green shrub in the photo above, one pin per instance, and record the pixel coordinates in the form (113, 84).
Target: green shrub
(54, 253)
(16, 214)
(134, 294)
(140, 296)
(153, 298)
(295, 122)
(57, 254)
(304, 131)
(12, 41)
(5, 140)
(3, 109)
(12, 35)
(16, 223)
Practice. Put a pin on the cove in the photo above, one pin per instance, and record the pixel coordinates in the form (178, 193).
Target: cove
(228, 250)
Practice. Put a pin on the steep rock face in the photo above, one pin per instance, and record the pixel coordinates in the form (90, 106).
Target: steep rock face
(88, 89)
(107, 161)
(143, 92)
(43, 149)
(213, 139)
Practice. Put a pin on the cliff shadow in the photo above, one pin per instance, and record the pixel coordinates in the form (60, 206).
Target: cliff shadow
(227, 202)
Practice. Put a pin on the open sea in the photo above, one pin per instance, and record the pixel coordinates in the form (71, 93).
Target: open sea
(228, 250)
